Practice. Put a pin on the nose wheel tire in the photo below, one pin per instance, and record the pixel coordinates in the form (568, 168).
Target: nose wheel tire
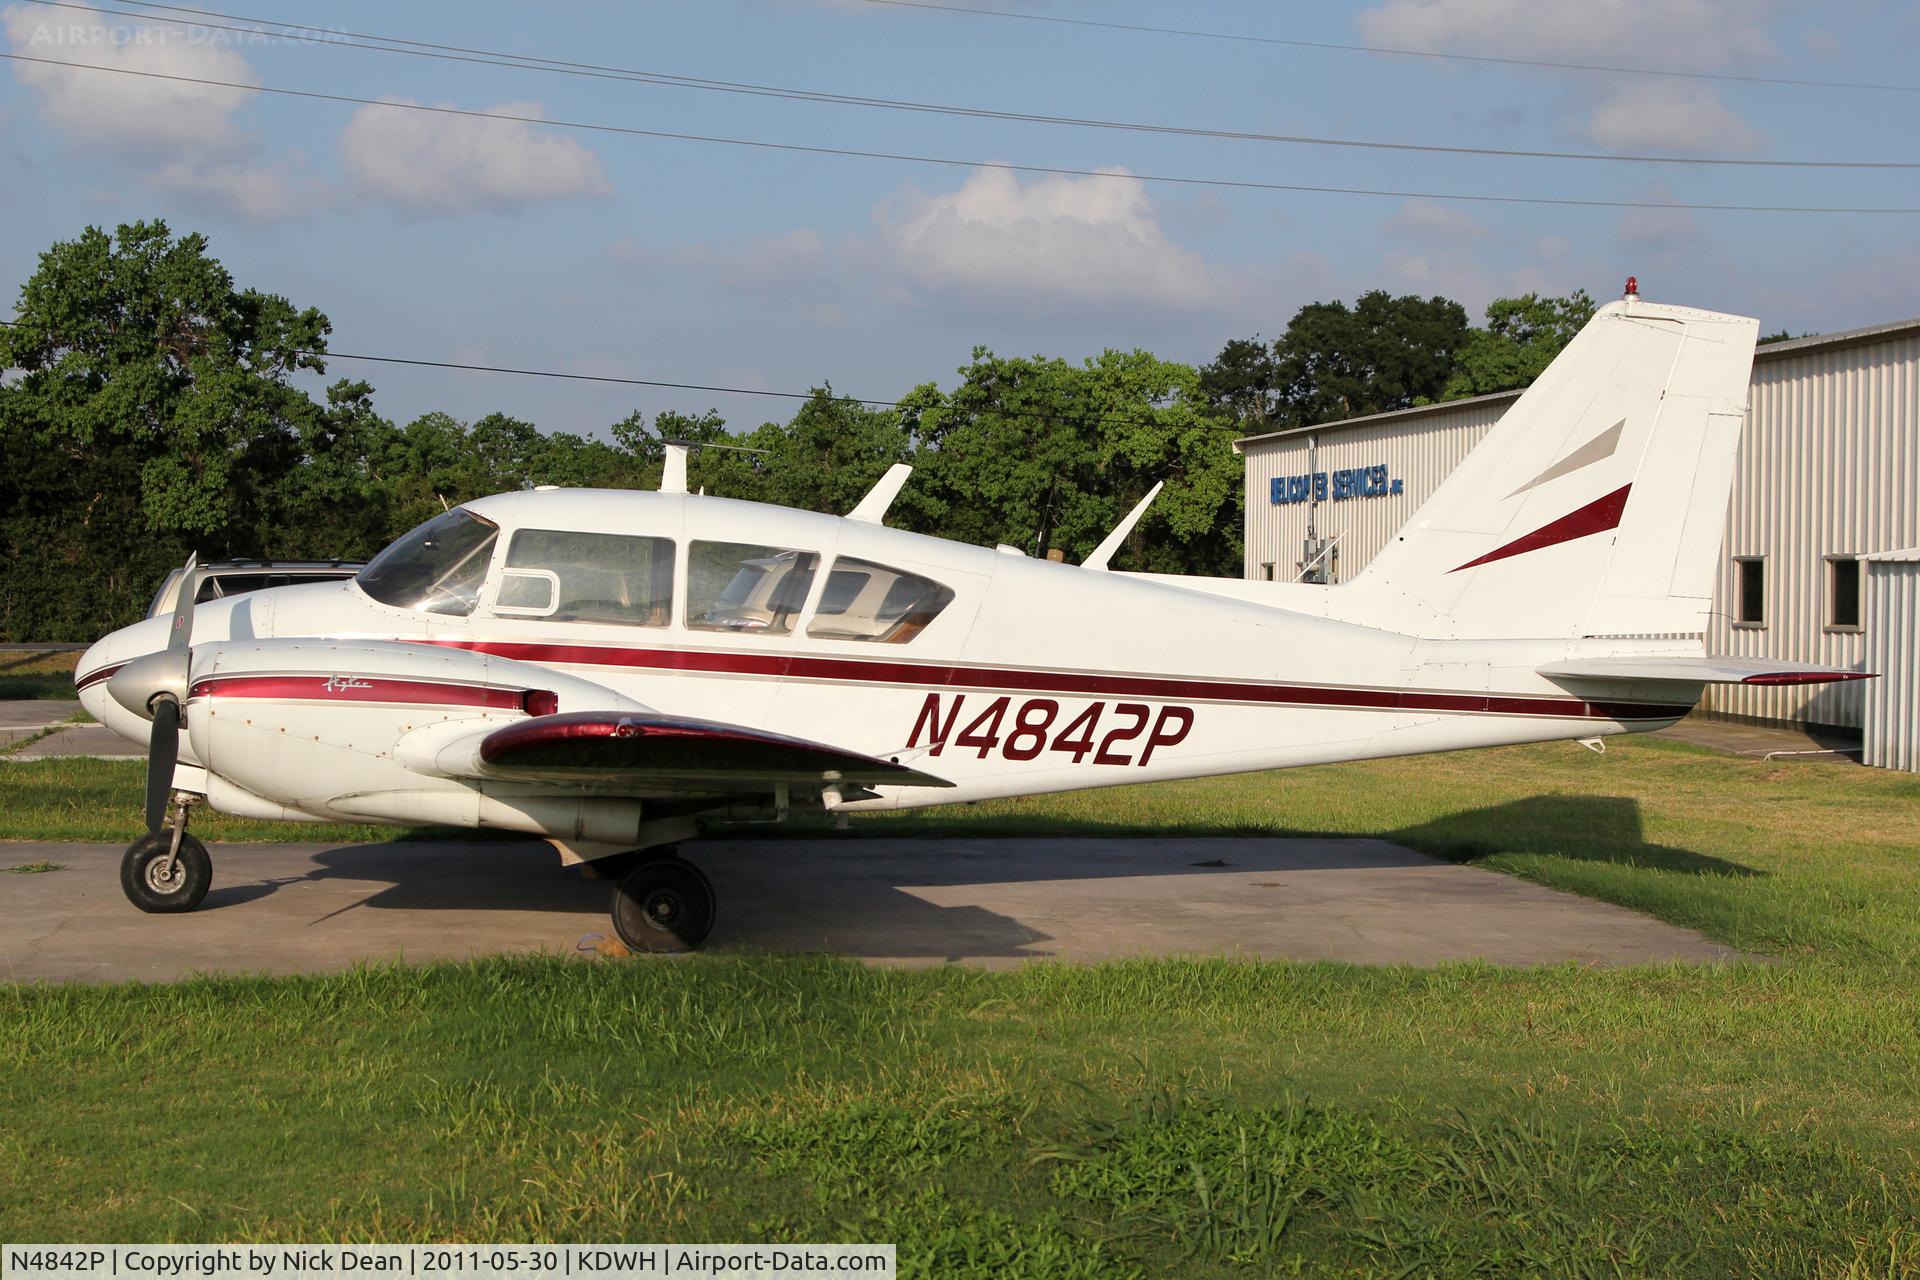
(663, 906)
(152, 885)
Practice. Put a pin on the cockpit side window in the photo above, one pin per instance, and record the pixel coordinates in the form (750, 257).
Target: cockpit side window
(596, 577)
(437, 568)
(744, 586)
(867, 601)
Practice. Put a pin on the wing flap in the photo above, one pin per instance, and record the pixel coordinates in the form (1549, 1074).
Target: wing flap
(1699, 670)
(674, 752)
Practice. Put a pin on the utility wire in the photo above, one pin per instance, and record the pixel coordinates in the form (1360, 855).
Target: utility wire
(998, 411)
(203, 18)
(950, 162)
(1239, 37)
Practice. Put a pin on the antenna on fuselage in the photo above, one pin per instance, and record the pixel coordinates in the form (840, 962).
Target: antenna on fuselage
(674, 478)
(1111, 543)
(872, 509)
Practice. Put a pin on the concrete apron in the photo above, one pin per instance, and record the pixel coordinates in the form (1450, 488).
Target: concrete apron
(293, 908)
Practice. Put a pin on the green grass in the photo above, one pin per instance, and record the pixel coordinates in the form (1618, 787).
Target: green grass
(1178, 1117)
(34, 676)
(1169, 1117)
(74, 798)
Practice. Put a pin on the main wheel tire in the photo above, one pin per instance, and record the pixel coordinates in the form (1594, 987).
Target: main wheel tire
(663, 906)
(141, 873)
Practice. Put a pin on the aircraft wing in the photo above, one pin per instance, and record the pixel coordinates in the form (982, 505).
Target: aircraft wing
(649, 748)
(1698, 670)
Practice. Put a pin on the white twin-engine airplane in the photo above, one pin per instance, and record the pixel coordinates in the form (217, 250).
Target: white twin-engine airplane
(614, 670)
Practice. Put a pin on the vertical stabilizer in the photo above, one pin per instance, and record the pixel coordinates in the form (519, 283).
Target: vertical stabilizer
(1596, 506)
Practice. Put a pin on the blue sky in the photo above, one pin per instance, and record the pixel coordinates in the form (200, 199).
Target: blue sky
(472, 240)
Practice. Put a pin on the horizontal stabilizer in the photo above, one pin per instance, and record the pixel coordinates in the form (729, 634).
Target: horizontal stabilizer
(1700, 670)
(649, 748)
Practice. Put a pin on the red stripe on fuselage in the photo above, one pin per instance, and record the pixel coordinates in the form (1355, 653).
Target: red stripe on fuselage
(1597, 516)
(96, 675)
(1093, 684)
(334, 688)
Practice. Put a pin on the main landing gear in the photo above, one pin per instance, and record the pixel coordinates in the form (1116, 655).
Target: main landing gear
(167, 871)
(661, 904)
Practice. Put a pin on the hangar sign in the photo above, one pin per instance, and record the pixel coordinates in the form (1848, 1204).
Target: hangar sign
(1337, 486)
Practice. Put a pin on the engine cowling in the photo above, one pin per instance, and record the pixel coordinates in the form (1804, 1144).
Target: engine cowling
(317, 726)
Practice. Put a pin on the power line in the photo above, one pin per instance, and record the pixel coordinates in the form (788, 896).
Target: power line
(1077, 419)
(1243, 38)
(950, 162)
(527, 62)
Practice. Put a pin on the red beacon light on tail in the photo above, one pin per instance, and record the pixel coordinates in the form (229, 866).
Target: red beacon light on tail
(1633, 286)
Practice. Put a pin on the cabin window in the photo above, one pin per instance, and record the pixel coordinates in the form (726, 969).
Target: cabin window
(1843, 593)
(570, 576)
(867, 601)
(1749, 591)
(744, 586)
(437, 568)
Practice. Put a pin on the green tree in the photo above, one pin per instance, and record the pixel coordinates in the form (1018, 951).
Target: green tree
(336, 498)
(1336, 361)
(1243, 383)
(1522, 337)
(1041, 454)
(147, 407)
(829, 454)
(1382, 353)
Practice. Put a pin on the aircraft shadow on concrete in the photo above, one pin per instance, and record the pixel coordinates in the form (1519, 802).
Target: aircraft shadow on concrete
(856, 896)
(858, 917)
(1589, 828)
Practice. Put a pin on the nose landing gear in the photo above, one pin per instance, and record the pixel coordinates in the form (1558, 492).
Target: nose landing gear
(167, 871)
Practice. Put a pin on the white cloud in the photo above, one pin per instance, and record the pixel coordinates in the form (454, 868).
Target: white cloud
(129, 113)
(258, 193)
(1676, 34)
(182, 139)
(1669, 117)
(1077, 241)
(1642, 114)
(426, 163)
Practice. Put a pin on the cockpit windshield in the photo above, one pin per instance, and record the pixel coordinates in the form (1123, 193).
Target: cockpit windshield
(437, 568)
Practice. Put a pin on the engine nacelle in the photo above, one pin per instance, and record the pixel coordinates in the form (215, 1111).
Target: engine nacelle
(316, 727)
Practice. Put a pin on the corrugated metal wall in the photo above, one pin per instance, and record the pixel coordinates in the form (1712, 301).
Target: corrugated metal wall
(1829, 465)
(1417, 449)
(1892, 703)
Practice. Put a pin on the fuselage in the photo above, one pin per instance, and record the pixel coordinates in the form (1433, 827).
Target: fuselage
(1004, 674)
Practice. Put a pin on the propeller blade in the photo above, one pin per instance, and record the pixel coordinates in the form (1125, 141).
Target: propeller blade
(140, 685)
(180, 639)
(163, 750)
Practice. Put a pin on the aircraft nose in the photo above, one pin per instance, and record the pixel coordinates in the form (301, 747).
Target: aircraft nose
(99, 663)
(91, 672)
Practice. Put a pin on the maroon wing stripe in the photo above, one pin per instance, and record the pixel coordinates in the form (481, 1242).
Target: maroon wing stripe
(1597, 516)
(1807, 677)
(1097, 684)
(648, 742)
